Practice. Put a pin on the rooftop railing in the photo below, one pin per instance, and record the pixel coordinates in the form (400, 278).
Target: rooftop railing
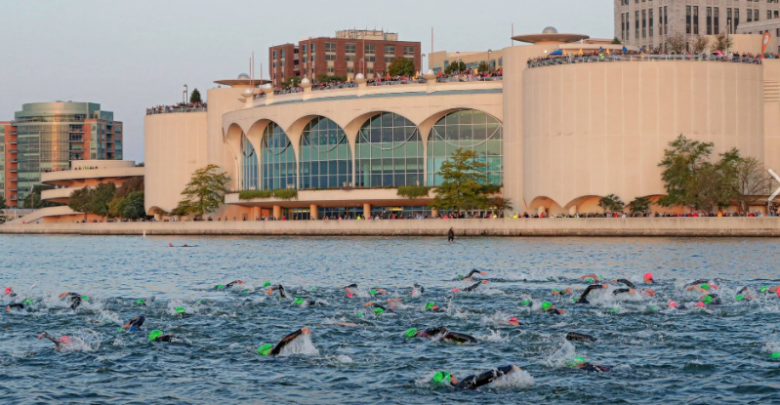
(574, 59)
(176, 109)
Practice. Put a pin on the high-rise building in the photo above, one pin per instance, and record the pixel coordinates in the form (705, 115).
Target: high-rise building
(648, 23)
(45, 137)
(350, 52)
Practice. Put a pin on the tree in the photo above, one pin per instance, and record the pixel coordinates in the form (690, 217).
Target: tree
(2, 202)
(700, 43)
(291, 82)
(131, 185)
(676, 43)
(195, 97)
(34, 201)
(101, 196)
(130, 207)
(401, 67)
(616, 41)
(483, 67)
(205, 192)
(612, 203)
(460, 189)
(749, 181)
(500, 204)
(139, 164)
(640, 206)
(723, 42)
(455, 67)
(323, 78)
(80, 200)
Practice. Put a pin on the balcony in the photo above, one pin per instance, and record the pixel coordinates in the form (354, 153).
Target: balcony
(13, 198)
(12, 170)
(13, 151)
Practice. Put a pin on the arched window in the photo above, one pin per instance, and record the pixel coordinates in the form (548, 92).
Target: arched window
(248, 165)
(389, 153)
(467, 129)
(278, 159)
(326, 161)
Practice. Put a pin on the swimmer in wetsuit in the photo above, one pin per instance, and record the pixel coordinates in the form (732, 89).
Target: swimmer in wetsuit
(135, 324)
(471, 287)
(229, 285)
(473, 382)
(591, 278)
(548, 308)
(417, 289)
(75, 299)
(580, 363)
(744, 294)
(267, 349)
(432, 307)
(58, 343)
(443, 334)
(583, 298)
(279, 288)
(632, 291)
(17, 306)
(158, 336)
(469, 276)
(10, 292)
(579, 337)
(557, 291)
(451, 235)
(348, 289)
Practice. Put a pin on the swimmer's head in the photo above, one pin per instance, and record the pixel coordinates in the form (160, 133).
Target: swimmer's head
(614, 309)
(220, 286)
(349, 295)
(514, 322)
(359, 315)
(65, 340)
(740, 297)
(775, 355)
(672, 304)
(705, 287)
(372, 292)
(411, 332)
(460, 276)
(484, 273)
(170, 245)
(154, 335)
(442, 377)
(525, 303)
(649, 278)
(456, 290)
(590, 280)
(485, 281)
(266, 284)
(265, 349)
(708, 300)
(140, 302)
(8, 290)
(180, 310)
(379, 311)
(764, 289)
(27, 302)
(576, 361)
(778, 293)
(298, 301)
(700, 304)
(650, 292)
(240, 282)
(546, 305)
(85, 298)
(714, 286)
(430, 306)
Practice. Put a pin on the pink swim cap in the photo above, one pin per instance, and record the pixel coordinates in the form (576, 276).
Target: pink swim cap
(349, 295)
(700, 304)
(7, 290)
(456, 290)
(513, 320)
(672, 304)
(65, 340)
(713, 286)
(778, 293)
(649, 275)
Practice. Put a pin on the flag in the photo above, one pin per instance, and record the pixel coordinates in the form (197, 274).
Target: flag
(476, 71)
(625, 50)
(439, 74)
(609, 53)
(765, 41)
(564, 52)
(388, 76)
(580, 51)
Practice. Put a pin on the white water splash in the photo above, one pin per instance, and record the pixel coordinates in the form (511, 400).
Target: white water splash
(302, 345)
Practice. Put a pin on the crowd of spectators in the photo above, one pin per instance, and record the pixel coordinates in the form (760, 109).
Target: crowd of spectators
(71, 168)
(651, 55)
(181, 107)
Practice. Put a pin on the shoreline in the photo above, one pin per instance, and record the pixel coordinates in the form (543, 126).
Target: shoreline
(583, 227)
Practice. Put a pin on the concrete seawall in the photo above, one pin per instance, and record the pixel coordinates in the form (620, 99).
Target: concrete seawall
(695, 227)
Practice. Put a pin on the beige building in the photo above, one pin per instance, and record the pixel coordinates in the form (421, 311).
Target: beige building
(556, 136)
(648, 24)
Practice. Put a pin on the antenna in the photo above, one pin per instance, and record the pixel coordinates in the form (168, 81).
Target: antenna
(513, 35)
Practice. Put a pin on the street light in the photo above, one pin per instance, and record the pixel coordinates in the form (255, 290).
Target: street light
(185, 93)
(488, 66)
(422, 64)
(458, 53)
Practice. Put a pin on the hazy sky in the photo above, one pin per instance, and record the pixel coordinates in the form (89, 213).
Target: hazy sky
(131, 54)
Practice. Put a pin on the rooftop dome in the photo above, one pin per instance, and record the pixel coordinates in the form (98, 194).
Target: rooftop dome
(243, 76)
(550, 30)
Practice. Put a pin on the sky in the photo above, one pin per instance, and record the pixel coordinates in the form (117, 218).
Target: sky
(128, 55)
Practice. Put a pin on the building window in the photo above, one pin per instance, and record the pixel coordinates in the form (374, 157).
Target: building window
(278, 159)
(666, 20)
(389, 49)
(709, 20)
(326, 161)
(636, 24)
(389, 59)
(750, 15)
(696, 20)
(716, 21)
(370, 53)
(687, 19)
(736, 19)
(622, 26)
(650, 22)
(248, 165)
(409, 51)
(389, 153)
(755, 15)
(470, 130)
(644, 23)
(330, 47)
(350, 48)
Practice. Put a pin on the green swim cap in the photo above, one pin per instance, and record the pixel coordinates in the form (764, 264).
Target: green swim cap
(180, 310)
(576, 361)
(652, 308)
(154, 335)
(442, 377)
(313, 288)
(85, 298)
(121, 330)
(266, 284)
(27, 302)
(359, 315)
(265, 350)
(764, 289)
(220, 286)
(379, 311)
(590, 280)
(298, 301)
(740, 298)
(775, 355)
(460, 276)
(705, 287)
(708, 300)
(574, 299)
(372, 292)
(525, 303)
(546, 305)
(140, 302)
(601, 277)
(411, 332)
(614, 309)
(430, 305)
(245, 292)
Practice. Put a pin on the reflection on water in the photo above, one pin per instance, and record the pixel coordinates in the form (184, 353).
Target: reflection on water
(660, 356)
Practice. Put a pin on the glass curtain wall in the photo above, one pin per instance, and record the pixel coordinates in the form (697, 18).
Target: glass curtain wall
(389, 153)
(326, 161)
(278, 159)
(248, 165)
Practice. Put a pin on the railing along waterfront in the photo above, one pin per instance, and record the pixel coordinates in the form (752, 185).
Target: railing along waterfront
(575, 59)
(171, 110)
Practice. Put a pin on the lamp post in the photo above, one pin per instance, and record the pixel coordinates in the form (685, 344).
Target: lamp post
(458, 53)
(490, 51)
(422, 63)
(184, 94)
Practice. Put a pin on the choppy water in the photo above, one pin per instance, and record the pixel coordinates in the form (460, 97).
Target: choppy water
(715, 356)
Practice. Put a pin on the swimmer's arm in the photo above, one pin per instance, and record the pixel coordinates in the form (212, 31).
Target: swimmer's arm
(472, 288)
(287, 339)
(625, 282)
(46, 335)
(697, 288)
(591, 288)
(472, 272)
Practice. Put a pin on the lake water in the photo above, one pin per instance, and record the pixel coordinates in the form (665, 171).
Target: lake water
(716, 355)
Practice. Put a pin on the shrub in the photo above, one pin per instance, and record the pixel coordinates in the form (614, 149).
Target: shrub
(413, 192)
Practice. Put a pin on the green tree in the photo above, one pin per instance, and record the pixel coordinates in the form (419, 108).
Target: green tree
(455, 67)
(204, 193)
(195, 97)
(323, 78)
(130, 207)
(80, 200)
(460, 189)
(616, 41)
(612, 203)
(2, 202)
(723, 42)
(401, 67)
(291, 82)
(748, 180)
(699, 43)
(139, 164)
(33, 199)
(483, 67)
(101, 196)
(640, 206)
(130, 186)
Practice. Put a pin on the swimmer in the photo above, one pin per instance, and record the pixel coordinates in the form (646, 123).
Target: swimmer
(701, 287)
(9, 307)
(451, 235)
(58, 343)
(648, 278)
(472, 287)
(135, 324)
(158, 336)
(711, 299)
(469, 276)
(580, 363)
(378, 309)
(417, 289)
(632, 291)
(310, 303)
(591, 278)
(229, 285)
(744, 294)
(280, 288)
(443, 334)
(348, 289)
(624, 282)
(473, 382)
(514, 322)
(583, 299)
(10, 292)
(75, 299)
(272, 350)
(377, 291)
(548, 308)
(557, 291)
(432, 307)
(579, 337)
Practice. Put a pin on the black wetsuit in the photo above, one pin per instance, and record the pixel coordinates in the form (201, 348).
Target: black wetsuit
(75, 300)
(231, 284)
(167, 338)
(472, 287)
(473, 382)
(136, 323)
(54, 340)
(697, 282)
(281, 290)
(715, 299)
(594, 368)
(626, 283)
(15, 306)
(582, 299)
(621, 291)
(447, 336)
(285, 341)
(451, 236)
(579, 337)
(420, 288)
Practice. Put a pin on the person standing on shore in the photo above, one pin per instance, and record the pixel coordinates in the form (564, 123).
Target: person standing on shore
(451, 235)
